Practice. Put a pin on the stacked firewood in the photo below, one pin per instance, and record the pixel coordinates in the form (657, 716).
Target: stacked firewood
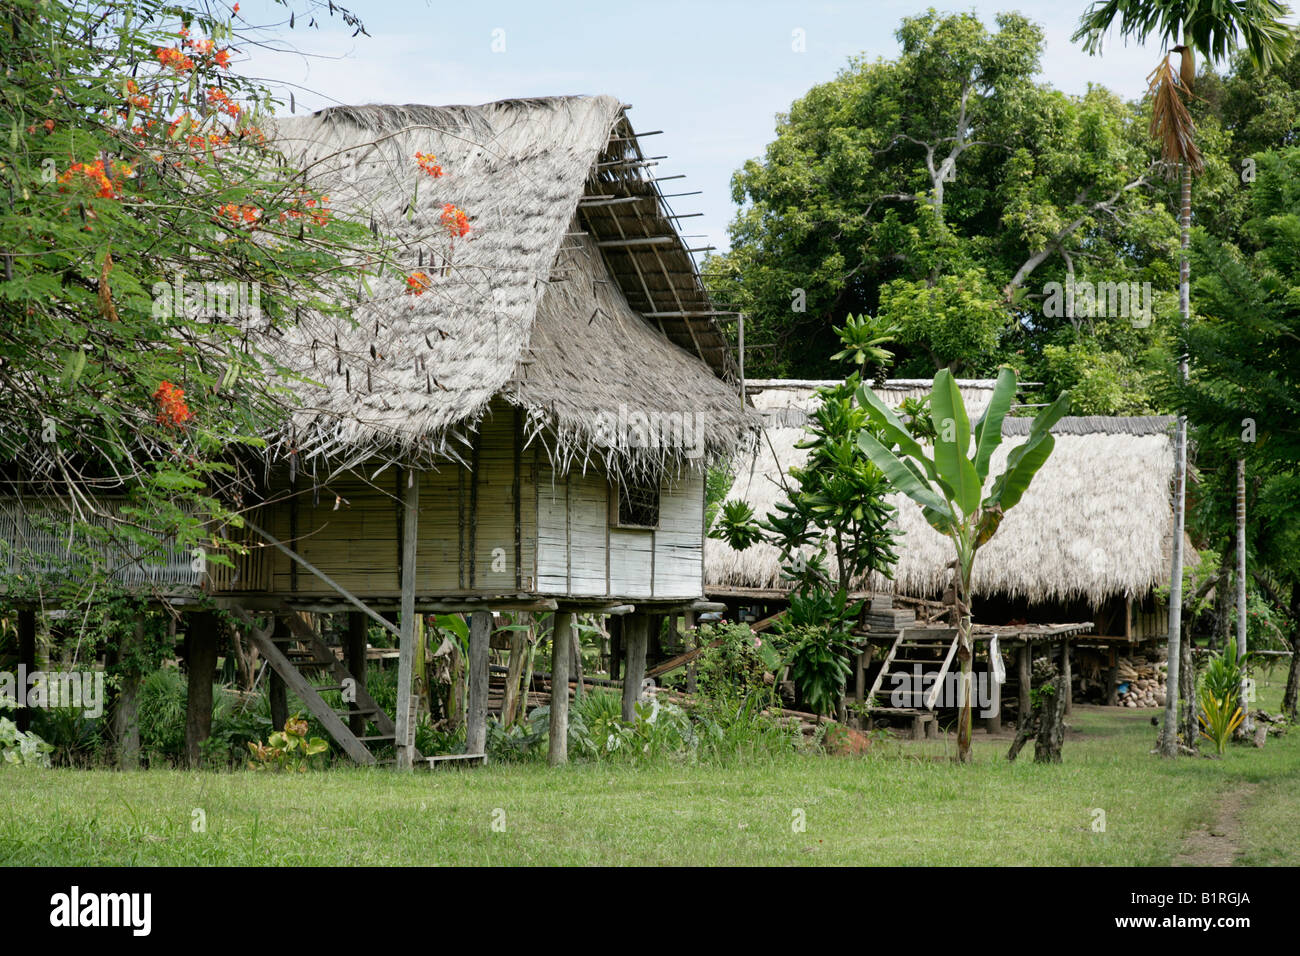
(1146, 682)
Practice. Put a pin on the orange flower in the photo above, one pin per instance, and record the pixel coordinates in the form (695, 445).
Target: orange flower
(417, 283)
(174, 58)
(96, 176)
(222, 59)
(455, 220)
(429, 163)
(172, 410)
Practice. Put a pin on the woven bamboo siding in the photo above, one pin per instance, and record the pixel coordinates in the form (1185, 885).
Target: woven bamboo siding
(678, 543)
(588, 522)
(631, 562)
(552, 531)
(493, 530)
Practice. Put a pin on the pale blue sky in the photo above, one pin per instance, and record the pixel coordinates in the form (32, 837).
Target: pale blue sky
(712, 75)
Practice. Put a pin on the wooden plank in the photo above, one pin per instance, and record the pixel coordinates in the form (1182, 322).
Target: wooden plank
(405, 733)
(884, 667)
(558, 751)
(636, 638)
(350, 743)
(943, 671)
(480, 631)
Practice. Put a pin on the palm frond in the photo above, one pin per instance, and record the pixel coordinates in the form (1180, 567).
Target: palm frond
(1171, 123)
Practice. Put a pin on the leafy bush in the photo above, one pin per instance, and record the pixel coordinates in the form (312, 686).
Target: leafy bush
(818, 645)
(736, 664)
(289, 749)
(1219, 695)
(21, 748)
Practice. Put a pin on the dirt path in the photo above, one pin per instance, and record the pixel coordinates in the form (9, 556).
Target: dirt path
(1219, 844)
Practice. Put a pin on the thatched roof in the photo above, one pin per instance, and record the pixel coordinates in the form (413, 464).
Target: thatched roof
(540, 303)
(1096, 522)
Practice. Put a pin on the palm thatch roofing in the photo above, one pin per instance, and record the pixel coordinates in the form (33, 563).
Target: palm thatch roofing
(572, 297)
(1096, 522)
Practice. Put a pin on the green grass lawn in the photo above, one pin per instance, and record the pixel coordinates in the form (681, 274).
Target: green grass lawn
(903, 804)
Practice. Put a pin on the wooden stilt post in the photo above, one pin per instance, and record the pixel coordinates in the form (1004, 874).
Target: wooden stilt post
(993, 723)
(276, 691)
(126, 708)
(692, 639)
(561, 639)
(1024, 673)
(27, 660)
(480, 634)
(201, 662)
(514, 672)
(405, 732)
(615, 646)
(1066, 677)
(636, 638)
(355, 652)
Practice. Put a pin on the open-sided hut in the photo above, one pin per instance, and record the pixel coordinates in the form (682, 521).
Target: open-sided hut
(530, 431)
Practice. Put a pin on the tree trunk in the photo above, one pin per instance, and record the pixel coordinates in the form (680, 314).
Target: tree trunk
(26, 658)
(1169, 739)
(1222, 605)
(1289, 698)
(1188, 724)
(636, 637)
(558, 751)
(965, 655)
(126, 709)
(1051, 724)
(201, 663)
(1247, 725)
(276, 691)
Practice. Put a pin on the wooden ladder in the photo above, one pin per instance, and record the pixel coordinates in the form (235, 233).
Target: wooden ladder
(303, 650)
(916, 650)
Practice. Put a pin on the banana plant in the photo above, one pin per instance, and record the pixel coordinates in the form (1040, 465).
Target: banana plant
(949, 487)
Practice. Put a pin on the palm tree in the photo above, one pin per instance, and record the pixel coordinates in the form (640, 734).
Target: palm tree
(1215, 29)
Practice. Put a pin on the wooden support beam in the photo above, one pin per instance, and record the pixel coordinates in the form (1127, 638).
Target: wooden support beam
(126, 706)
(1024, 660)
(405, 742)
(637, 241)
(636, 638)
(27, 662)
(355, 658)
(693, 637)
(201, 665)
(558, 752)
(1066, 677)
(480, 633)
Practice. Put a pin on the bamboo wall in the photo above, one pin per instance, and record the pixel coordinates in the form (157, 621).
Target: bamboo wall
(580, 554)
(503, 524)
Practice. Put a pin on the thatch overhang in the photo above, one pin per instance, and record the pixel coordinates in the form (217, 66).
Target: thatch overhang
(1096, 523)
(543, 304)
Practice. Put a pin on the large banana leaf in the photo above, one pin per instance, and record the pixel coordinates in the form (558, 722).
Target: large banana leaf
(948, 412)
(902, 477)
(893, 428)
(988, 430)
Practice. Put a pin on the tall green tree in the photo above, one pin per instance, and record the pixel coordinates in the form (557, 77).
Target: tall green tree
(941, 192)
(153, 241)
(1214, 29)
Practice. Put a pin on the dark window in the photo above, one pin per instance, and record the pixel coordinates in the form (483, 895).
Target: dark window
(638, 505)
